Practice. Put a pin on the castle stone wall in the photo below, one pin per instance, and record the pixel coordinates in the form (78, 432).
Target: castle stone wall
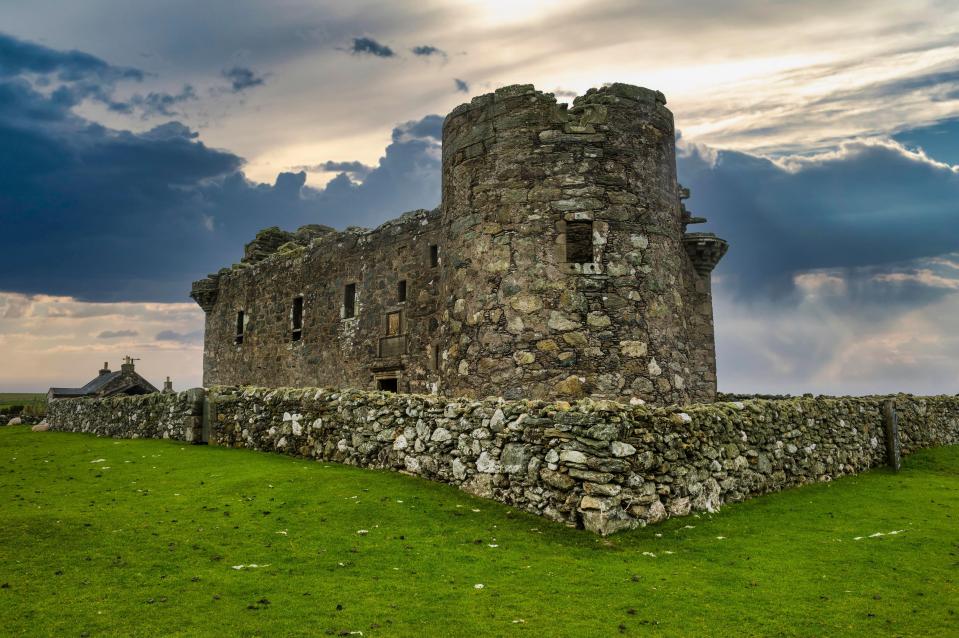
(504, 305)
(333, 349)
(599, 464)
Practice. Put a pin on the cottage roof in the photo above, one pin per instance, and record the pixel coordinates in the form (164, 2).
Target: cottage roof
(108, 383)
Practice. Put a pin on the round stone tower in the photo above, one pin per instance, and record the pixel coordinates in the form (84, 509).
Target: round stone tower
(565, 271)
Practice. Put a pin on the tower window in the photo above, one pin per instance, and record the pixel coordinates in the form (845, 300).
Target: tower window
(349, 301)
(239, 328)
(434, 255)
(297, 319)
(401, 290)
(579, 242)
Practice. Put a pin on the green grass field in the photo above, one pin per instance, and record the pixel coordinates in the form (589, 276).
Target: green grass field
(37, 402)
(103, 537)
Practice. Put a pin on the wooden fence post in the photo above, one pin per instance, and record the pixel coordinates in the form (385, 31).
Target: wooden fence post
(890, 422)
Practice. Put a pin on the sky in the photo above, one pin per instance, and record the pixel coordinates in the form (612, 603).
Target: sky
(142, 144)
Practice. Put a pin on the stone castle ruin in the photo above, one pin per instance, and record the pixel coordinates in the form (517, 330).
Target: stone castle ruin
(557, 266)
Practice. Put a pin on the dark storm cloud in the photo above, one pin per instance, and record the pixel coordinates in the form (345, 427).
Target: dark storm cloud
(357, 170)
(370, 46)
(18, 57)
(430, 126)
(117, 334)
(841, 275)
(406, 177)
(427, 50)
(71, 76)
(159, 208)
(939, 84)
(156, 103)
(104, 214)
(75, 76)
(939, 140)
(242, 78)
(462, 85)
(866, 205)
(179, 337)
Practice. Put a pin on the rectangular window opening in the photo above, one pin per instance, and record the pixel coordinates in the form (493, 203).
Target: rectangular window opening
(349, 301)
(297, 319)
(401, 290)
(434, 255)
(388, 385)
(394, 322)
(436, 357)
(239, 328)
(579, 242)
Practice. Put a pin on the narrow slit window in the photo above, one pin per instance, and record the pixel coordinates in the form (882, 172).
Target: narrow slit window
(239, 328)
(579, 242)
(436, 357)
(394, 322)
(297, 319)
(349, 301)
(434, 255)
(401, 290)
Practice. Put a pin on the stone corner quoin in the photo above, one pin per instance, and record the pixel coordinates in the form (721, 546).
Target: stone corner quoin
(558, 265)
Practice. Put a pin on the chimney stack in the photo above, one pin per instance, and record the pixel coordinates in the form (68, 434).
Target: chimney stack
(106, 368)
(168, 386)
(127, 366)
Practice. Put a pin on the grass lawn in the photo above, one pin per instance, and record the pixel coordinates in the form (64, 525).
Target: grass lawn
(37, 401)
(103, 537)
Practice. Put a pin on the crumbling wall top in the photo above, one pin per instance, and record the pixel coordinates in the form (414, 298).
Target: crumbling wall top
(612, 93)
(499, 95)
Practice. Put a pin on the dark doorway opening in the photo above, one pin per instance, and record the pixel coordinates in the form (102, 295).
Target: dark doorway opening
(387, 385)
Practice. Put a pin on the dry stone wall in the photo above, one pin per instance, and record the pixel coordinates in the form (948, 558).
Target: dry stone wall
(176, 416)
(598, 464)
